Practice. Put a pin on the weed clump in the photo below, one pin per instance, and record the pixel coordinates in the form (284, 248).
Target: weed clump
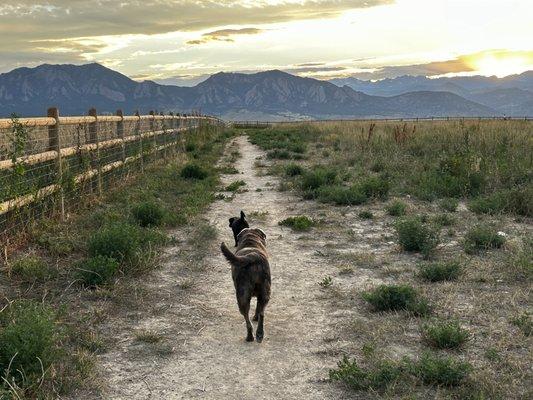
(449, 204)
(98, 270)
(149, 213)
(524, 323)
(358, 378)
(515, 201)
(440, 271)
(118, 240)
(396, 208)
(235, 186)
(397, 298)
(319, 176)
(193, 171)
(444, 220)
(293, 169)
(376, 187)
(445, 335)
(31, 269)
(28, 341)
(298, 223)
(415, 235)
(482, 237)
(440, 370)
(341, 195)
(365, 215)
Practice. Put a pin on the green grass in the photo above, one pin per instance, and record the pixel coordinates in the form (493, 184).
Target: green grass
(194, 171)
(397, 298)
(396, 208)
(440, 370)
(365, 215)
(29, 341)
(357, 378)
(293, 169)
(482, 237)
(326, 282)
(98, 270)
(445, 334)
(341, 195)
(444, 220)
(415, 235)
(31, 269)
(524, 322)
(117, 240)
(235, 186)
(449, 204)
(513, 201)
(440, 271)
(300, 223)
(149, 213)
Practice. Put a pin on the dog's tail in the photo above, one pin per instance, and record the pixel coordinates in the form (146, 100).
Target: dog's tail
(235, 260)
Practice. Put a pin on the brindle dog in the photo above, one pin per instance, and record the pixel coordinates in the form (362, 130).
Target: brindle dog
(237, 225)
(251, 276)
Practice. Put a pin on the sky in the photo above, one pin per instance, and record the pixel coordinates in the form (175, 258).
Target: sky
(184, 41)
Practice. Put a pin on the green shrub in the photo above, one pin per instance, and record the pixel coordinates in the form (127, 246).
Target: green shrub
(516, 201)
(235, 186)
(293, 169)
(28, 341)
(441, 371)
(375, 187)
(280, 154)
(396, 298)
(357, 378)
(317, 177)
(445, 335)
(97, 270)
(31, 268)
(193, 171)
(449, 204)
(149, 213)
(440, 271)
(482, 237)
(298, 223)
(341, 195)
(444, 220)
(396, 208)
(365, 215)
(414, 235)
(118, 240)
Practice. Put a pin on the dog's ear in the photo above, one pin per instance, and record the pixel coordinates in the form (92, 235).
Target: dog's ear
(243, 217)
(231, 221)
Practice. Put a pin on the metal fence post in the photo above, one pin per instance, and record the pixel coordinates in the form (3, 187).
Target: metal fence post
(152, 129)
(93, 138)
(120, 133)
(54, 144)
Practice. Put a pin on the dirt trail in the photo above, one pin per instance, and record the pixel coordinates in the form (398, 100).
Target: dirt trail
(203, 353)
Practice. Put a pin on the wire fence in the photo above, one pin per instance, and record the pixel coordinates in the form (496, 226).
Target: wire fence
(49, 164)
(266, 124)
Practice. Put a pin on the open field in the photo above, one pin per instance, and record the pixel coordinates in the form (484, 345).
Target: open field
(401, 260)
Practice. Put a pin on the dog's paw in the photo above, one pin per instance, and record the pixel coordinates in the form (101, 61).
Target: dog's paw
(259, 338)
(250, 338)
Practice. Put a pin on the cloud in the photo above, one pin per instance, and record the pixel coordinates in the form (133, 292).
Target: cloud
(464, 64)
(224, 35)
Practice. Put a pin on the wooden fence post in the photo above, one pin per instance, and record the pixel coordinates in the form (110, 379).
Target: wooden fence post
(120, 133)
(152, 129)
(164, 128)
(54, 143)
(93, 138)
(138, 132)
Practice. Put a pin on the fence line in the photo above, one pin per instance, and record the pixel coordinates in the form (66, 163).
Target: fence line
(59, 158)
(265, 124)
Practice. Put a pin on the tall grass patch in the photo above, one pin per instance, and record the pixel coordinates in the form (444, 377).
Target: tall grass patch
(482, 237)
(397, 298)
(445, 334)
(440, 271)
(415, 235)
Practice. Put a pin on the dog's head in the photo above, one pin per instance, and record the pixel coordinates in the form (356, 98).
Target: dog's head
(237, 224)
(255, 234)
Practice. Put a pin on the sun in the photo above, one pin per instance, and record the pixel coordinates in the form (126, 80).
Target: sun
(501, 65)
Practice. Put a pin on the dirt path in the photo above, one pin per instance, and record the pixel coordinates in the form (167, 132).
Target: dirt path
(199, 350)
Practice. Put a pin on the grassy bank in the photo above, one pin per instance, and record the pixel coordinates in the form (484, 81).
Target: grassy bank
(61, 285)
(432, 235)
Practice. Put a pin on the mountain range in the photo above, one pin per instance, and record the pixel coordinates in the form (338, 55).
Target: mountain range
(511, 95)
(269, 95)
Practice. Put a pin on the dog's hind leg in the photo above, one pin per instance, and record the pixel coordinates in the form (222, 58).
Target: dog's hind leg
(262, 301)
(256, 315)
(244, 308)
